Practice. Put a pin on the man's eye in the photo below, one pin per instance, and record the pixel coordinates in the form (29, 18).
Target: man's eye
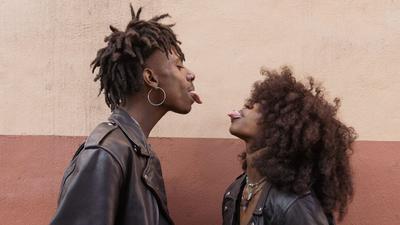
(180, 67)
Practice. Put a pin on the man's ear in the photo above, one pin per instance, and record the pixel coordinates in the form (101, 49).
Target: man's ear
(150, 78)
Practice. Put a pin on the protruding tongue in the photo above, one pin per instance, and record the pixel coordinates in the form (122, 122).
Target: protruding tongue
(195, 97)
(234, 114)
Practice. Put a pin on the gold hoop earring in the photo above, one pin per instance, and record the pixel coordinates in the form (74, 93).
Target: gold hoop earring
(156, 104)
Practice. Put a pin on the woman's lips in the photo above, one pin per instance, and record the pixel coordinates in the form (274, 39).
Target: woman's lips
(195, 97)
(235, 114)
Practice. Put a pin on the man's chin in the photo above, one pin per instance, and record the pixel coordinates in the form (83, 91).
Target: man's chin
(183, 111)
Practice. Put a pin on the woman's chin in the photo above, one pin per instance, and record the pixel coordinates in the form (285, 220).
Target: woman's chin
(235, 132)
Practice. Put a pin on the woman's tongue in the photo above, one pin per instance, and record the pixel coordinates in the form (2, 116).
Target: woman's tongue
(234, 114)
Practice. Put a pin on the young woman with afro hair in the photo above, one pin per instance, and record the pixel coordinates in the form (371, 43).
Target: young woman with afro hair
(296, 163)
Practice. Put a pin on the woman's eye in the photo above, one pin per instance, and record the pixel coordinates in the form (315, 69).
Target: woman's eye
(248, 106)
(180, 67)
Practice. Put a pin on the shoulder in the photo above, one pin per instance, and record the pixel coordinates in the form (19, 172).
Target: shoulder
(299, 209)
(281, 200)
(108, 137)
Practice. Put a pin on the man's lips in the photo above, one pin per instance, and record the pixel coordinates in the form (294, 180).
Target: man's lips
(195, 97)
(235, 114)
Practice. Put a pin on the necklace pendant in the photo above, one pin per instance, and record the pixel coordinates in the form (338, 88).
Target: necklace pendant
(249, 196)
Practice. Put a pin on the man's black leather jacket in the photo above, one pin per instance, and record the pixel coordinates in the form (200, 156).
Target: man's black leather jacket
(114, 178)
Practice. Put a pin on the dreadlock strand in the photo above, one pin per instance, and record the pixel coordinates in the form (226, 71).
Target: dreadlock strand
(131, 35)
(98, 55)
(160, 17)
(152, 33)
(163, 42)
(119, 42)
(129, 52)
(154, 27)
(113, 29)
(126, 85)
(138, 25)
(168, 33)
(132, 12)
(113, 72)
(138, 13)
(145, 40)
(155, 40)
(139, 55)
(131, 81)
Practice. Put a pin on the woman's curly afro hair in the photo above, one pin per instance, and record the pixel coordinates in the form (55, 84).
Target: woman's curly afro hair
(304, 146)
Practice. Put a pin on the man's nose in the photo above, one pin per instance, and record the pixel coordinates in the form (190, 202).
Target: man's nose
(190, 76)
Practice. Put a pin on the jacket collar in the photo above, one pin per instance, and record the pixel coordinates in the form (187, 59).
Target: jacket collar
(131, 128)
(236, 187)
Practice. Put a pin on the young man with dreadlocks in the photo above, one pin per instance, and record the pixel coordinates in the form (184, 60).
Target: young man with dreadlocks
(115, 177)
(296, 163)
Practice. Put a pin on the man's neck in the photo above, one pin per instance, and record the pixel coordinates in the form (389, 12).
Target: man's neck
(144, 113)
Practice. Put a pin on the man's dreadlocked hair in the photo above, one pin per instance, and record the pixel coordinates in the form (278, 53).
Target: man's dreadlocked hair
(121, 63)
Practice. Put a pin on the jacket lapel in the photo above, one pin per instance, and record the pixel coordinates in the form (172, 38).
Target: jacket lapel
(152, 176)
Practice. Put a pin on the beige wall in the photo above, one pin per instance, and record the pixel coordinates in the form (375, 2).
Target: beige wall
(46, 46)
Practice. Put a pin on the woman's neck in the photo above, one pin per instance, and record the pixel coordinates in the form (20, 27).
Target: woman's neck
(252, 173)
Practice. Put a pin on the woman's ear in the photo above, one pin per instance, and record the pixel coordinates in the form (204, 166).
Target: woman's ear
(150, 78)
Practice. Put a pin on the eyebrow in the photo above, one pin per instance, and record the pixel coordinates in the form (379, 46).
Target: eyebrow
(178, 60)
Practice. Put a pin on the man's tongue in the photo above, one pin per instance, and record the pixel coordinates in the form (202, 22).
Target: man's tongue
(234, 114)
(195, 97)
